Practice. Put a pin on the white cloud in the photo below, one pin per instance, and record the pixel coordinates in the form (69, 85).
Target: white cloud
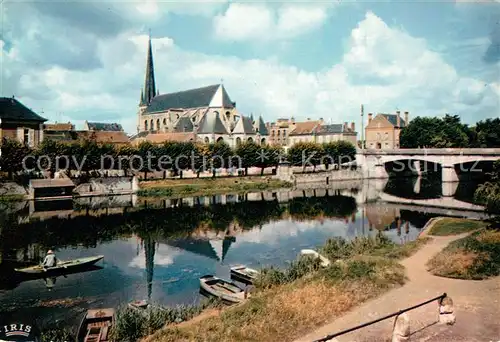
(382, 67)
(261, 22)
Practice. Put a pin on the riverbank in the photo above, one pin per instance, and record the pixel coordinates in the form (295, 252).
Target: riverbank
(208, 186)
(288, 303)
(473, 257)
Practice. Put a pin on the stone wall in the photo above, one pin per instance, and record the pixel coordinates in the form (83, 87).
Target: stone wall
(289, 174)
(12, 188)
(108, 186)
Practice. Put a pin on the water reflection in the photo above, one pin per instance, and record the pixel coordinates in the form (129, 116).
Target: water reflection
(157, 249)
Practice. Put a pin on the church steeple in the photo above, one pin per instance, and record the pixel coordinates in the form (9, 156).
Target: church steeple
(149, 83)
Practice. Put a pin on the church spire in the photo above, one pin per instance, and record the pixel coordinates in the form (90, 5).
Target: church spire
(149, 84)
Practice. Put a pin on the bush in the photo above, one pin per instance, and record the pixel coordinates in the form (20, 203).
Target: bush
(133, 324)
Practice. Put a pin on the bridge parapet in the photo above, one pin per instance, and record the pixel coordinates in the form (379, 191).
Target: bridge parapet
(433, 151)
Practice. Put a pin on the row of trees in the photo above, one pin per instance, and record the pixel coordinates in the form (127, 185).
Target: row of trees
(489, 192)
(88, 155)
(450, 132)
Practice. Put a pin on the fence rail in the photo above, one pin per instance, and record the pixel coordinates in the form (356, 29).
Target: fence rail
(329, 337)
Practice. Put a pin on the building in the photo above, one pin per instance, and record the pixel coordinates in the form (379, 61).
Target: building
(279, 131)
(20, 123)
(208, 112)
(318, 132)
(102, 127)
(59, 131)
(383, 131)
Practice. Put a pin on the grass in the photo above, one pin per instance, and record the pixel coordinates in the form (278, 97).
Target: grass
(288, 303)
(455, 226)
(474, 257)
(208, 186)
(133, 324)
(12, 198)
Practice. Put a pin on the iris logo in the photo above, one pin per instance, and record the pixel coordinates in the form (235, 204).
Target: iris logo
(17, 330)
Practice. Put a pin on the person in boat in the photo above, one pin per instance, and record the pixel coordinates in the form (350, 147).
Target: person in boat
(50, 260)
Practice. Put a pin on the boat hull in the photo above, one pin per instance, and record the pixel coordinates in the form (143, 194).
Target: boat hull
(240, 275)
(69, 266)
(96, 320)
(207, 284)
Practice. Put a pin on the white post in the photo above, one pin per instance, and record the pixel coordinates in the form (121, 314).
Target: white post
(401, 329)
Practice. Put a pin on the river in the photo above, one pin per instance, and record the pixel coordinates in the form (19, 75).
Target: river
(157, 249)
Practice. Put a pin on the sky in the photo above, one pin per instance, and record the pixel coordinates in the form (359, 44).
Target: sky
(85, 60)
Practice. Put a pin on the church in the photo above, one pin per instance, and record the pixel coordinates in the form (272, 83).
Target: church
(205, 114)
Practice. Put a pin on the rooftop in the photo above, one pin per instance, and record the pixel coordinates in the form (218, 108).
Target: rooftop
(12, 109)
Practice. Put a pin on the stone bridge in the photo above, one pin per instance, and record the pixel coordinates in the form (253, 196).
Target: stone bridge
(373, 162)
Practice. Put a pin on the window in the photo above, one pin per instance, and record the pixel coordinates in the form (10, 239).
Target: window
(238, 141)
(146, 125)
(164, 122)
(26, 137)
(152, 127)
(250, 140)
(278, 133)
(386, 135)
(158, 124)
(228, 115)
(207, 140)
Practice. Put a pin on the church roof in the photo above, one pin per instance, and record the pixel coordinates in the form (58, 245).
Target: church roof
(108, 127)
(262, 127)
(211, 123)
(11, 109)
(193, 98)
(184, 124)
(244, 125)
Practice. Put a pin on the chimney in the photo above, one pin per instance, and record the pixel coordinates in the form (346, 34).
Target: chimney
(370, 117)
(398, 115)
(406, 118)
(345, 126)
(353, 127)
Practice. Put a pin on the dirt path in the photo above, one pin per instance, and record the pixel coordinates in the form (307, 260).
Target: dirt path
(477, 306)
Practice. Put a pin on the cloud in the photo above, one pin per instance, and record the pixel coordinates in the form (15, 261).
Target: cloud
(382, 67)
(259, 21)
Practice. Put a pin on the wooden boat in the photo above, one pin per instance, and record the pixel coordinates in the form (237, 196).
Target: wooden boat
(96, 325)
(244, 274)
(311, 252)
(139, 304)
(225, 290)
(61, 267)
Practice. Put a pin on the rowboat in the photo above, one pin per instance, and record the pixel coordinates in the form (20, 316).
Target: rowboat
(139, 304)
(244, 274)
(96, 325)
(225, 290)
(61, 267)
(311, 252)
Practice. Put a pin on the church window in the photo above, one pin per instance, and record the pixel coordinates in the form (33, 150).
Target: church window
(164, 122)
(158, 124)
(278, 132)
(263, 141)
(152, 127)
(250, 140)
(207, 140)
(228, 115)
(177, 116)
(386, 136)
(146, 125)
(238, 141)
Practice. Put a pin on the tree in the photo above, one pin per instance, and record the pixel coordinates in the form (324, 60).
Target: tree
(447, 132)
(489, 192)
(488, 133)
(220, 153)
(248, 153)
(306, 154)
(12, 156)
(51, 156)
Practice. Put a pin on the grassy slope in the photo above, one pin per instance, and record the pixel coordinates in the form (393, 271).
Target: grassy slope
(455, 226)
(289, 303)
(476, 256)
(208, 186)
